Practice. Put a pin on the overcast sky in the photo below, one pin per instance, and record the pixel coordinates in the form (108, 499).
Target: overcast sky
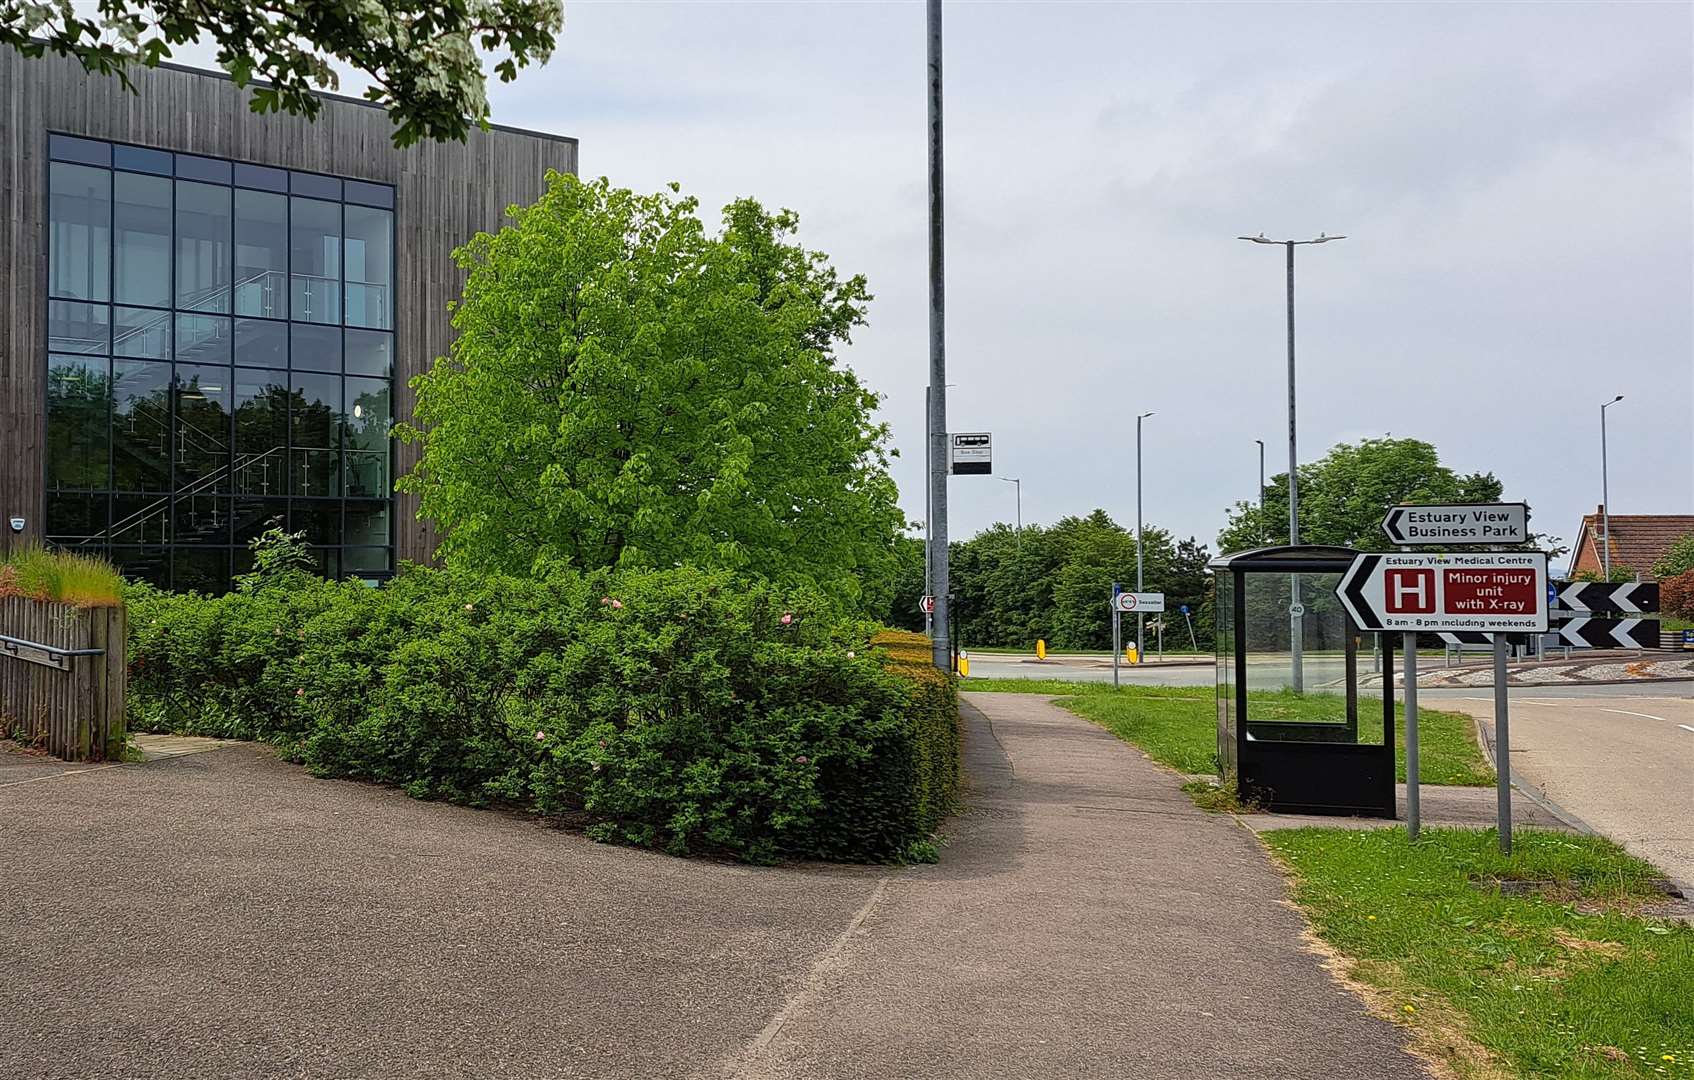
(1516, 182)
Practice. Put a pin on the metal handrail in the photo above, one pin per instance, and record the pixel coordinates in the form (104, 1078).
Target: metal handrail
(12, 644)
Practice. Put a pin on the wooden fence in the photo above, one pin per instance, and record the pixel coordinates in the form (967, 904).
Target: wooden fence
(62, 678)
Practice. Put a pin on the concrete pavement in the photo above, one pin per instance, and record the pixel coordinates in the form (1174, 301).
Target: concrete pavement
(224, 914)
(1623, 764)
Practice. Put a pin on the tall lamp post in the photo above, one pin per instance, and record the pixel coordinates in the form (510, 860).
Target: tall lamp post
(1605, 496)
(939, 583)
(1140, 617)
(1261, 443)
(1019, 483)
(1295, 610)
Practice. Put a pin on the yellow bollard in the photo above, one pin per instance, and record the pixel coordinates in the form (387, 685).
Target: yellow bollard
(1041, 648)
(964, 664)
(1132, 654)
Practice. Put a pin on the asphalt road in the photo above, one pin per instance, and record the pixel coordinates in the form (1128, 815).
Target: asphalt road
(225, 915)
(1621, 760)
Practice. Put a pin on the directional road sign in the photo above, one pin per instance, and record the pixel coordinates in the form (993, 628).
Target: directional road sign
(1460, 523)
(1611, 633)
(1498, 591)
(1599, 598)
(927, 605)
(1139, 602)
(971, 453)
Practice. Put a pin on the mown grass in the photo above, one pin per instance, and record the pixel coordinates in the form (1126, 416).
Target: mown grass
(1177, 725)
(1568, 984)
(51, 575)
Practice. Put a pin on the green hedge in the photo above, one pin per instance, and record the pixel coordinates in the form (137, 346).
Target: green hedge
(683, 710)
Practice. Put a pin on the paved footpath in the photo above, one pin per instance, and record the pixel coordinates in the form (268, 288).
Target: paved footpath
(223, 914)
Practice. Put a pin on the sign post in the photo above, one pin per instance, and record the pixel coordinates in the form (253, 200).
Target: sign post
(1502, 748)
(1413, 820)
(1117, 642)
(1496, 592)
(1192, 640)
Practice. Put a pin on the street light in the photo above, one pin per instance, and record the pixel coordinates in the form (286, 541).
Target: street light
(1261, 443)
(1295, 610)
(1140, 617)
(1605, 497)
(1019, 483)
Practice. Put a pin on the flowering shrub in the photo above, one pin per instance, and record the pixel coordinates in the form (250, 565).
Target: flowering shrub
(685, 710)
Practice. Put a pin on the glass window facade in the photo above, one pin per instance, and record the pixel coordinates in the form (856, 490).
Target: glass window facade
(219, 360)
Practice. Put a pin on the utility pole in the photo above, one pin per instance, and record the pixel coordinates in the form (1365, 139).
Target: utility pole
(939, 583)
(1140, 617)
(928, 517)
(1296, 611)
(1605, 495)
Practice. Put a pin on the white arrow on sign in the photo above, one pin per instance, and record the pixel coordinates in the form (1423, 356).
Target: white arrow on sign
(927, 605)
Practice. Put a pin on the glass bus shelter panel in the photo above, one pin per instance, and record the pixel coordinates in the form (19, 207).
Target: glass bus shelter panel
(1224, 605)
(1312, 696)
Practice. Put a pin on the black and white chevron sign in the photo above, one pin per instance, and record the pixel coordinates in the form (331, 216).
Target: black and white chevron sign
(1599, 598)
(1468, 637)
(1611, 633)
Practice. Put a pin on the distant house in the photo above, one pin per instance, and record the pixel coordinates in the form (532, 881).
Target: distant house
(1637, 541)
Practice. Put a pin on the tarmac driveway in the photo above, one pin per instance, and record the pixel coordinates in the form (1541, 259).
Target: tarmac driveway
(224, 914)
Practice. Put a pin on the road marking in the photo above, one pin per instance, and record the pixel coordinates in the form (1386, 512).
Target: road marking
(1685, 727)
(1642, 715)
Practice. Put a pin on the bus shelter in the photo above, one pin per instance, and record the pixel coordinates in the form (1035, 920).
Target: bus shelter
(1289, 723)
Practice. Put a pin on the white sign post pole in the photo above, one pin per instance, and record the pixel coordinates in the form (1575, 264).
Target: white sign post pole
(1412, 816)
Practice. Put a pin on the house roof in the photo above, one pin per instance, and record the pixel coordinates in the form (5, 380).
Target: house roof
(1638, 540)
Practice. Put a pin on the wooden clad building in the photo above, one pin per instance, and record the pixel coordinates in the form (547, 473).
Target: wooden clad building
(210, 316)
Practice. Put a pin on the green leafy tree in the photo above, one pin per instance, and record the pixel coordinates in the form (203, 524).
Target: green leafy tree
(1345, 495)
(1678, 559)
(1055, 583)
(422, 56)
(627, 390)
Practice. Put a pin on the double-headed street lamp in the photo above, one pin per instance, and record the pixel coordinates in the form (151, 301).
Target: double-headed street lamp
(1605, 495)
(1295, 610)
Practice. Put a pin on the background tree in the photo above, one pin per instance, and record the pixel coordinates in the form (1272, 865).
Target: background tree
(627, 390)
(421, 55)
(1055, 583)
(1345, 495)
(1677, 559)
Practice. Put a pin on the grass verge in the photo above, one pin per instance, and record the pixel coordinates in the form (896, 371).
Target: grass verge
(1177, 725)
(1572, 983)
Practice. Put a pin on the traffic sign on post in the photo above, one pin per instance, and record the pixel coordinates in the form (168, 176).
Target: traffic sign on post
(927, 605)
(1139, 602)
(1497, 591)
(1459, 523)
(971, 453)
